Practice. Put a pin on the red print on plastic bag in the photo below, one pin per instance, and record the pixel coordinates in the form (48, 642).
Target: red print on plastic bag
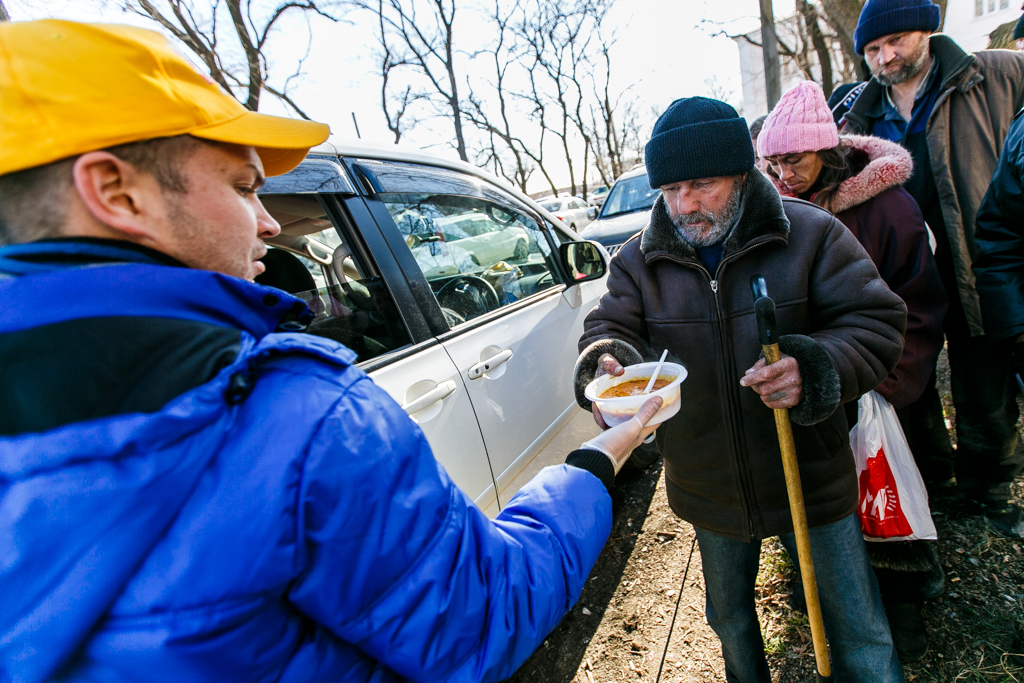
(880, 512)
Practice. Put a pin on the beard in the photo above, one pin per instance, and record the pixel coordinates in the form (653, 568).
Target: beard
(907, 67)
(721, 222)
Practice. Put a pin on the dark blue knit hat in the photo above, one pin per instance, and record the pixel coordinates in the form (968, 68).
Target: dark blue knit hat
(885, 17)
(1018, 30)
(697, 137)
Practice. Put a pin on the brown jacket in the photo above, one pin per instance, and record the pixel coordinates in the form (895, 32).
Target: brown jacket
(979, 96)
(837, 317)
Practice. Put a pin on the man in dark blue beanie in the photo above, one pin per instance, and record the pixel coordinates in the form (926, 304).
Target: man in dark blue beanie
(951, 110)
(887, 17)
(683, 284)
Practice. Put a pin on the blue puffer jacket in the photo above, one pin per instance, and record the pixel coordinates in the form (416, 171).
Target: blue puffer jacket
(284, 521)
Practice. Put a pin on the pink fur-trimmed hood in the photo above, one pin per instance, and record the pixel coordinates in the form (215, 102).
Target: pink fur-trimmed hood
(888, 165)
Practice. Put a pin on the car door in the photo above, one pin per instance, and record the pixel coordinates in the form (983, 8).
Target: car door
(363, 300)
(512, 327)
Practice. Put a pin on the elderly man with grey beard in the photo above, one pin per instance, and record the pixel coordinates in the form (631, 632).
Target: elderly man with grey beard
(683, 284)
(951, 110)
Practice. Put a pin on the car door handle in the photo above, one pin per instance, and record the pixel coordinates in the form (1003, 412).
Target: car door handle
(442, 391)
(478, 370)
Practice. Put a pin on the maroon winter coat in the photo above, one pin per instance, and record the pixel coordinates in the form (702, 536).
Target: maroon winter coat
(888, 223)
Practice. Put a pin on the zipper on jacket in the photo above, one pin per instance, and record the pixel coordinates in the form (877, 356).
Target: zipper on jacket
(746, 489)
(745, 492)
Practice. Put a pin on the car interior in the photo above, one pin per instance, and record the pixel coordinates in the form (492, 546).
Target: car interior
(310, 260)
(476, 254)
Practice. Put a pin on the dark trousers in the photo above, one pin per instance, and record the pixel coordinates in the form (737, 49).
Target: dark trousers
(987, 456)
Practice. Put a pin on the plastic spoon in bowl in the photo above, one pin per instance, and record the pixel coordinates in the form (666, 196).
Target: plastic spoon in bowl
(657, 371)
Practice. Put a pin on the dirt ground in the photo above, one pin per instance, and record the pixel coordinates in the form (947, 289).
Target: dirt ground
(619, 628)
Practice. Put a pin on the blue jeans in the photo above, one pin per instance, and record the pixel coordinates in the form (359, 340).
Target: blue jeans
(855, 623)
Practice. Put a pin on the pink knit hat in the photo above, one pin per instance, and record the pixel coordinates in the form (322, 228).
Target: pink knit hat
(800, 122)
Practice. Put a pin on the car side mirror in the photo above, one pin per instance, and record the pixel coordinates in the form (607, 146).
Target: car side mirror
(592, 213)
(583, 261)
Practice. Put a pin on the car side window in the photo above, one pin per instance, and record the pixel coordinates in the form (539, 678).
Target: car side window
(478, 254)
(315, 261)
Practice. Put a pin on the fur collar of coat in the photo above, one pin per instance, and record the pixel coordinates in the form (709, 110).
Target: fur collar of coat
(884, 164)
(762, 219)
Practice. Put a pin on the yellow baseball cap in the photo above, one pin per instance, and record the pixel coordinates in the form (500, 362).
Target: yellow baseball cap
(68, 88)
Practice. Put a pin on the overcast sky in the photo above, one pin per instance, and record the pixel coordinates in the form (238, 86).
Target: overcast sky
(661, 51)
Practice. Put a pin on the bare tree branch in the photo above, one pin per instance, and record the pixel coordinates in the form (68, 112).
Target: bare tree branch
(616, 126)
(430, 50)
(200, 33)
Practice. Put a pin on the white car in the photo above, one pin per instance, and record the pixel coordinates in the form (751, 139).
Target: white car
(486, 240)
(572, 211)
(461, 300)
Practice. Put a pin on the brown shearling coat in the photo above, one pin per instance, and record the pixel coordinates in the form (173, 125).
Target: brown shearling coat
(837, 317)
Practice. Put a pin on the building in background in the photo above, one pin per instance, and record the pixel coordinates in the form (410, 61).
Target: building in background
(798, 61)
(755, 94)
(969, 22)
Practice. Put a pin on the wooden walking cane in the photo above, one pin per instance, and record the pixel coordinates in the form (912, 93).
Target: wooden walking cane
(764, 308)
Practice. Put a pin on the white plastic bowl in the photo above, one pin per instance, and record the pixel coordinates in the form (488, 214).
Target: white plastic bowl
(618, 410)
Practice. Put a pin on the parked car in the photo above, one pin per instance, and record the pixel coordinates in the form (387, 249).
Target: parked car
(460, 298)
(598, 195)
(572, 211)
(625, 212)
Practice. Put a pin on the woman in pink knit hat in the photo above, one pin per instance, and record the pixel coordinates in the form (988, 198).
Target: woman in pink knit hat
(859, 179)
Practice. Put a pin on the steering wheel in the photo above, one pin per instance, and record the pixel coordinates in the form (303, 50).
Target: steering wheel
(474, 282)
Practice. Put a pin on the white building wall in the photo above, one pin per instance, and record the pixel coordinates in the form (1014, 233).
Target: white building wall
(969, 28)
(755, 92)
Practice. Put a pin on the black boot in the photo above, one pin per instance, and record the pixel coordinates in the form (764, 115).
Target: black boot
(1006, 520)
(910, 569)
(908, 631)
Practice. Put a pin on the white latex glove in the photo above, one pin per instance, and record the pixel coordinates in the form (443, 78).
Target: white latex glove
(619, 441)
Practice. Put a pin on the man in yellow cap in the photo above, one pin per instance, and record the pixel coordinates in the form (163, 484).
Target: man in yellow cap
(190, 488)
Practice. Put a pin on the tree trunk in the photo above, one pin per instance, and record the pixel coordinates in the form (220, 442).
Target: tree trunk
(4, 16)
(453, 101)
(818, 41)
(252, 56)
(770, 51)
(842, 16)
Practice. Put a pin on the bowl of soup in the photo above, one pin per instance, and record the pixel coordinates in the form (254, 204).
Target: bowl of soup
(619, 398)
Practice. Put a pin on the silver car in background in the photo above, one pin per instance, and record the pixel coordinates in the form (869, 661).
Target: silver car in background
(572, 211)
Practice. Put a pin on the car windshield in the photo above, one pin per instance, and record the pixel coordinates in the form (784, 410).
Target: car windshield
(629, 195)
(552, 206)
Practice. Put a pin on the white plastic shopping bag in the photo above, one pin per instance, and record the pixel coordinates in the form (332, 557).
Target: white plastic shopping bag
(893, 503)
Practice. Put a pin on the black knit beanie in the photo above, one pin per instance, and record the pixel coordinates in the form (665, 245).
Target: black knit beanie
(1018, 30)
(697, 137)
(885, 17)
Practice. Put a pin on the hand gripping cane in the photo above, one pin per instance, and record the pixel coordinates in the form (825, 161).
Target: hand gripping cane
(764, 308)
